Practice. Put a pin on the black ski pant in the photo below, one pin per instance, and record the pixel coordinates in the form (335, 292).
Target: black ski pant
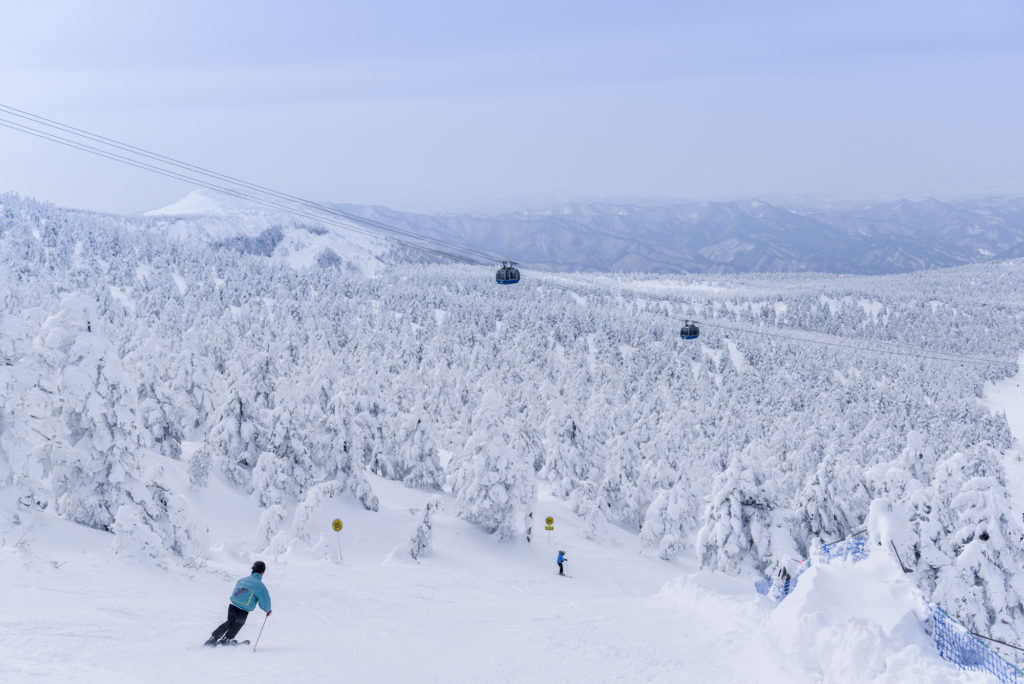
(228, 630)
(561, 570)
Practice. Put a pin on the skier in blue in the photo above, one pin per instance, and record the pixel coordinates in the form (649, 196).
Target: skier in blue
(561, 559)
(249, 592)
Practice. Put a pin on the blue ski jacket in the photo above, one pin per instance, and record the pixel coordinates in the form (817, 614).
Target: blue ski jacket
(561, 558)
(250, 591)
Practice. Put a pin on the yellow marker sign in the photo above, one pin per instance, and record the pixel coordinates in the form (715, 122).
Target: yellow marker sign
(549, 520)
(336, 525)
(549, 528)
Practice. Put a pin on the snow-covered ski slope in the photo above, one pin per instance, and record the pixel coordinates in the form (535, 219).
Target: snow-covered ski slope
(195, 404)
(1007, 397)
(473, 611)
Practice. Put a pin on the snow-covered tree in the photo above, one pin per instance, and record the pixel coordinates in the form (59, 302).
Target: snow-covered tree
(238, 434)
(156, 520)
(669, 520)
(565, 463)
(333, 373)
(494, 486)
(982, 584)
(94, 449)
(743, 524)
(421, 543)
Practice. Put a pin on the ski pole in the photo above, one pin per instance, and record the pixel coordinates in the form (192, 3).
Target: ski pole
(261, 632)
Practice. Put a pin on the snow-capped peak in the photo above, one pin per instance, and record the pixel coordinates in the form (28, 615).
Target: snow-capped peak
(198, 202)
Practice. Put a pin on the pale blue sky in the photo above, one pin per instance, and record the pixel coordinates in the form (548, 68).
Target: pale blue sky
(431, 105)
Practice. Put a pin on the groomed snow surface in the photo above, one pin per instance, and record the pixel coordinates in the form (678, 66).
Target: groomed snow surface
(473, 611)
(1007, 397)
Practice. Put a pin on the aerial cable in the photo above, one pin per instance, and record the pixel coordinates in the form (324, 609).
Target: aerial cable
(773, 331)
(318, 206)
(192, 168)
(230, 191)
(867, 346)
(765, 331)
(882, 346)
(314, 211)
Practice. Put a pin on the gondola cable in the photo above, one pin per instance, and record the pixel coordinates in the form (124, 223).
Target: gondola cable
(459, 253)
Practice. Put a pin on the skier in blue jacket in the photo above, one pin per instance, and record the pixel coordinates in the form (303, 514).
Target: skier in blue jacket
(249, 592)
(561, 559)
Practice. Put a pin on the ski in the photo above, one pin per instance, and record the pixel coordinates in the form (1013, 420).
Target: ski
(228, 643)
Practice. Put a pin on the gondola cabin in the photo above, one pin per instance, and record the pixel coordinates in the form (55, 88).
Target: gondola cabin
(508, 274)
(689, 331)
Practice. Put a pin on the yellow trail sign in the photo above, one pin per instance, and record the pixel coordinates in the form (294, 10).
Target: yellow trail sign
(336, 525)
(549, 520)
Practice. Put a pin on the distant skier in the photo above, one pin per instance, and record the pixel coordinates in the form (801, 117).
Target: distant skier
(561, 559)
(249, 592)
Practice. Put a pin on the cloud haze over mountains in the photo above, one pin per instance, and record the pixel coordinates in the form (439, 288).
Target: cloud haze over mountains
(749, 236)
(737, 237)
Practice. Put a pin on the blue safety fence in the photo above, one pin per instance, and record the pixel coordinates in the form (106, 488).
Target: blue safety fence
(953, 641)
(956, 644)
(777, 588)
(852, 549)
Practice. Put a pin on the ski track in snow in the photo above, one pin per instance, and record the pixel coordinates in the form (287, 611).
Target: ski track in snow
(1008, 396)
(475, 611)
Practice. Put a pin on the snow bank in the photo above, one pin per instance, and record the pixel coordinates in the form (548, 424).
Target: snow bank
(863, 623)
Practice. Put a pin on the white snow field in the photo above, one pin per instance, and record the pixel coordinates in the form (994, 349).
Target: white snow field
(170, 407)
(1007, 397)
(475, 610)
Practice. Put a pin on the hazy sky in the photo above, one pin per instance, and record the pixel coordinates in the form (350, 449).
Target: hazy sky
(428, 105)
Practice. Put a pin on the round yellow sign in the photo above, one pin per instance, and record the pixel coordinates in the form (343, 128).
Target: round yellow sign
(549, 520)
(336, 525)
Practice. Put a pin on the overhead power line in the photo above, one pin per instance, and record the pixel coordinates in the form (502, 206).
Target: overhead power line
(170, 167)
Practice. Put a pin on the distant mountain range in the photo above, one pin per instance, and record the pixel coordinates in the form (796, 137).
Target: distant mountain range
(736, 237)
(706, 237)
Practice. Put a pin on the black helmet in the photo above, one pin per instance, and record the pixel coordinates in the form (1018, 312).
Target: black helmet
(259, 566)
